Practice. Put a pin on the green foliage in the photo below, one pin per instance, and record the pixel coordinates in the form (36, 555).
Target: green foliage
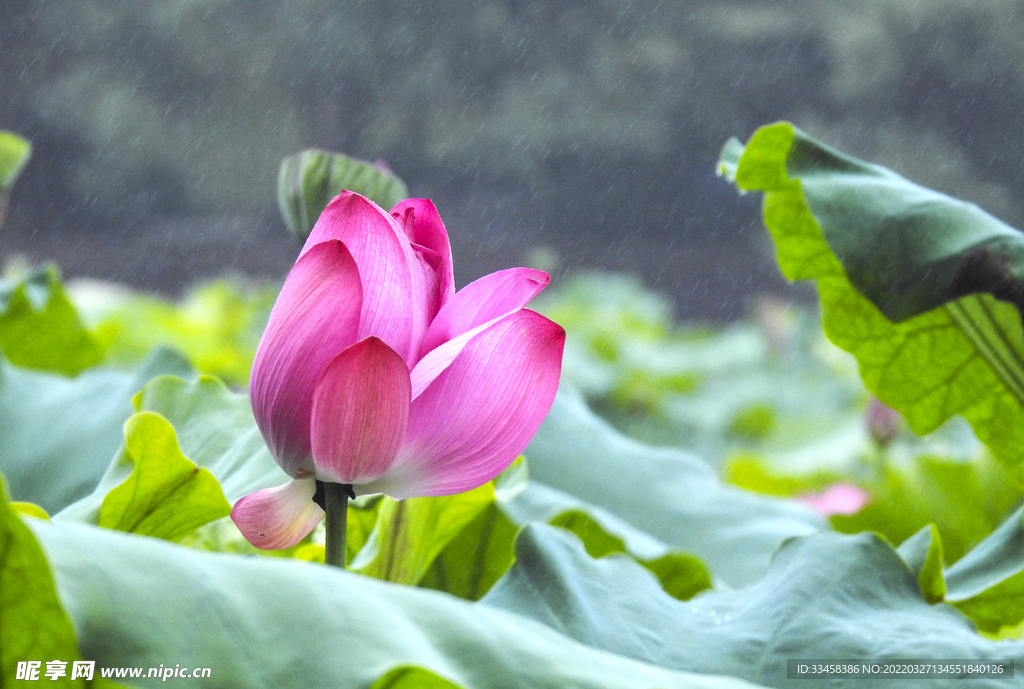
(754, 472)
(14, 154)
(909, 280)
(595, 539)
(167, 495)
(770, 383)
(650, 493)
(754, 422)
(264, 622)
(471, 562)
(966, 500)
(475, 559)
(39, 327)
(410, 534)
(217, 325)
(923, 554)
(412, 677)
(59, 434)
(29, 509)
(619, 495)
(214, 429)
(770, 393)
(33, 624)
(681, 575)
(987, 585)
(309, 180)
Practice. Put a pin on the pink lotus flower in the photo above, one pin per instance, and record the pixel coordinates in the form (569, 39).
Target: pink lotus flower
(373, 372)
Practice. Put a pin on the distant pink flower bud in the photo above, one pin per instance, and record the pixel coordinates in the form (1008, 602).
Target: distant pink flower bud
(839, 498)
(882, 421)
(374, 373)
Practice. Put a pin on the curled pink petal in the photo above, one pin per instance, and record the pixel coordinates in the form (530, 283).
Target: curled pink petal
(839, 498)
(490, 297)
(280, 517)
(441, 357)
(316, 315)
(396, 298)
(479, 414)
(360, 413)
(422, 224)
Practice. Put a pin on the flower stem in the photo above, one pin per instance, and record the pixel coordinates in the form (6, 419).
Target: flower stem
(336, 507)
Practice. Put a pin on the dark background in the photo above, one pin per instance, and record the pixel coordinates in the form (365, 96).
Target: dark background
(566, 135)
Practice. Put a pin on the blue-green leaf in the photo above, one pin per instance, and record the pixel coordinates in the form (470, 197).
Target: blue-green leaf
(40, 328)
(825, 596)
(267, 622)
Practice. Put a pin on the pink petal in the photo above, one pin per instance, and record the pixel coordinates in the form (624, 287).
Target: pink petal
(422, 224)
(396, 296)
(841, 498)
(481, 411)
(360, 413)
(490, 297)
(276, 518)
(314, 318)
(441, 357)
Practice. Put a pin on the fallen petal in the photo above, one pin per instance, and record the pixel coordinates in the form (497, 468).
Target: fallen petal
(360, 413)
(276, 518)
(316, 315)
(479, 414)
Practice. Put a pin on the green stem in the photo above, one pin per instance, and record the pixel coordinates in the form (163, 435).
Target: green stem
(336, 507)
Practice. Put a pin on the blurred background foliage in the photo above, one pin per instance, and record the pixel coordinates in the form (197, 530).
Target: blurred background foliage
(563, 134)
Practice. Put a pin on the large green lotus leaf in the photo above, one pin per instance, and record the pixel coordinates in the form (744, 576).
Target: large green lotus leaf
(215, 429)
(307, 182)
(40, 328)
(266, 622)
(910, 281)
(60, 434)
(668, 494)
(825, 596)
(33, 625)
(166, 495)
